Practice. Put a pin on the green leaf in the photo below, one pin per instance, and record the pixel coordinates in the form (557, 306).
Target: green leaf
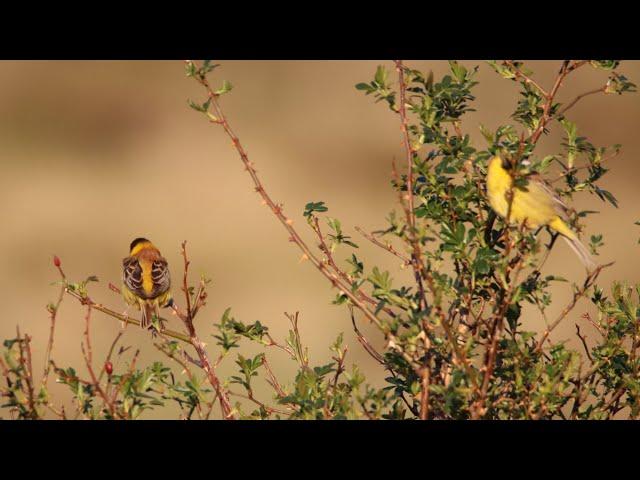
(605, 64)
(208, 66)
(226, 87)
(458, 71)
(381, 75)
(314, 207)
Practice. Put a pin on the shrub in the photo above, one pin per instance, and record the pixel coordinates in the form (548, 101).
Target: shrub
(455, 346)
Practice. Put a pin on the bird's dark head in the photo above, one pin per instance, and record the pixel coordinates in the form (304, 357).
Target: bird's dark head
(499, 162)
(137, 242)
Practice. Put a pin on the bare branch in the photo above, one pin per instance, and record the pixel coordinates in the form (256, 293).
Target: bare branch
(386, 246)
(218, 117)
(199, 346)
(566, 69)
(123, 318)
(53, 312)
(577, 295)
(578, 98)
(526, 78)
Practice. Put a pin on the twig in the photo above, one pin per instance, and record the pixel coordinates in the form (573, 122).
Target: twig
(110, 353)
(185, 287)
(407, 143)
(614, 399)
(88, 358)
(459, 355)
(526, 78)
(364, 342)
(63, 374)
(386, 246)
(315, 225)
(583, 339)
(340, 369)
(272, 378)
(101, 308)
(377, 357)
(589, 281)
(184, 366)
(568, 170)
(424, 394)
(300, 354)
(53, 312)
(200, 298)
(578, 98)
(566, 68)
(219, 118)
(284, 348)
(24, 344)
(587, 317)
(199, 346)
(416, 255)
(124, 378)
(498, 323)
(266, 407)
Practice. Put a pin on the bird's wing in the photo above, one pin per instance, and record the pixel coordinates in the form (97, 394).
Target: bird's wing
(555, 201)
(132, 276)
(160, 276)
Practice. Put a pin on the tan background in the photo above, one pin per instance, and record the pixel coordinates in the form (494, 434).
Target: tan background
(94, 154)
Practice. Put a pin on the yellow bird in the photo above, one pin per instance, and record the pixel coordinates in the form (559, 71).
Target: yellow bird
(146, 280)
(536, 205)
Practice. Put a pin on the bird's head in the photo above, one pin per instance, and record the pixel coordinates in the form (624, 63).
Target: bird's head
(497, 163)
(138, 244)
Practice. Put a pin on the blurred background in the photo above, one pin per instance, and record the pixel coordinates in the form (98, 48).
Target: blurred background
(96, 153)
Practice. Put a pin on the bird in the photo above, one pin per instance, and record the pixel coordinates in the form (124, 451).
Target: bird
(536, 205)
(146, 280)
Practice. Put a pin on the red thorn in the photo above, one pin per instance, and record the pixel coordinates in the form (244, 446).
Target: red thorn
(56, 261)
(108, 367)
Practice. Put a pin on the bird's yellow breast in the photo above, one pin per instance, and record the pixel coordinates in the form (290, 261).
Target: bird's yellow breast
(498, 184)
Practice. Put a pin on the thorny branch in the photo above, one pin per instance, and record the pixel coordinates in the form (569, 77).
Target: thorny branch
(386, 246)
(416, 255)
(578, 98)
(205, 363)
(85, 300)
(87, 353)
(526, 78)
(566, 69)
(53, 312)
(163, 347)
(218, 117)
(577, 295)
(315, 225)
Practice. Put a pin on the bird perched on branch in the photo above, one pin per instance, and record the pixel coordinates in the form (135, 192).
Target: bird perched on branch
(146, 280)
(536, 204)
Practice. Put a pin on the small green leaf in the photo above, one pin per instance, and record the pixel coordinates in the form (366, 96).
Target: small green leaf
(226, 87)
(314, 207)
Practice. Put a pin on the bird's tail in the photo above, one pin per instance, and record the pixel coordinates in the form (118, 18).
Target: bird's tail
(574, 242)
(148, 309)
(581, 251)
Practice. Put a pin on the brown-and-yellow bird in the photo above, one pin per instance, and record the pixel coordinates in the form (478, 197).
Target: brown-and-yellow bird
(146, 280)
(536, 205)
